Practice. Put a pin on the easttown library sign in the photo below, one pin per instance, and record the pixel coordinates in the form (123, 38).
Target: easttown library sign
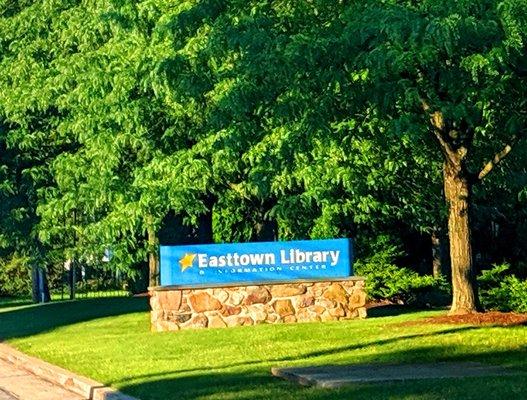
(255, 262)
(223, 285)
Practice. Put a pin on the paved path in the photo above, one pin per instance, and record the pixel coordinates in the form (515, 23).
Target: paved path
(336, 376)
(16, 384)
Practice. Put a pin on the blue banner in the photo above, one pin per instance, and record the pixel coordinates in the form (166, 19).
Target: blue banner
(255, 262)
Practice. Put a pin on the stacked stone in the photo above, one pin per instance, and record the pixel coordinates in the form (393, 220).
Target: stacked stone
(174, 309)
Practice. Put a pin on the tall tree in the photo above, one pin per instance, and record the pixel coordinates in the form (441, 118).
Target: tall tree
(453, 71)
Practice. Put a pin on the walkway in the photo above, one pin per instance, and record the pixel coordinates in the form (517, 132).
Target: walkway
(334, 376)
(16, 384)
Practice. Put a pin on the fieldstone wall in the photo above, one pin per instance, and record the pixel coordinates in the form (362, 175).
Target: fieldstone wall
(181, 308)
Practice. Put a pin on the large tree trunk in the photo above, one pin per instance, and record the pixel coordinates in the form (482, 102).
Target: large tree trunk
(457, 193)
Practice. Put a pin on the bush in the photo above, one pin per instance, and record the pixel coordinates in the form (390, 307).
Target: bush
(15, 277)
(499, 290)
(387, 281)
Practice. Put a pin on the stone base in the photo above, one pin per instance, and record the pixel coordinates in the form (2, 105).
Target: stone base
(175, 308)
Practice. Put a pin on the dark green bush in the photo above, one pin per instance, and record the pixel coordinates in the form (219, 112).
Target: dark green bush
(15, 277)
(502, 291)
(387, 281)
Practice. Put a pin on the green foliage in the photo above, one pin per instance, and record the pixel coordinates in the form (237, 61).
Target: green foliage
(499, 290)
(305, 119)
(387, 281)
(157, 109)
(15, 276)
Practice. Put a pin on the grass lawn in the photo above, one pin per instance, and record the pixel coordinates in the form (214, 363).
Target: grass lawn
(109, 340)
(8, 302)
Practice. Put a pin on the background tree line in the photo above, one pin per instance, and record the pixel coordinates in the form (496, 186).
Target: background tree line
(125, 124)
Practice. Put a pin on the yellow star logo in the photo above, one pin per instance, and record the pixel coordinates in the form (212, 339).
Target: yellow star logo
(186, 261)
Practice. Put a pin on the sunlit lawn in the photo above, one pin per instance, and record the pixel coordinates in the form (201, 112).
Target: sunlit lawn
(109, 340)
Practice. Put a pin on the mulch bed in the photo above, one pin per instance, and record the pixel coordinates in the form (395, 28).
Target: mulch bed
(494, 318)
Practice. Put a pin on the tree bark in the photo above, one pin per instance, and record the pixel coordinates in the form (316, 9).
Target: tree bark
(40, 288)
(437, 269)
(265, 231)
(35, 284)
(457, 192)
(153, 257)
(440, 256)
(45, 294)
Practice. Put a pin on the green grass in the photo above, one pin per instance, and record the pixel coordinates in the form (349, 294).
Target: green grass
(9, 302)
(109, 340)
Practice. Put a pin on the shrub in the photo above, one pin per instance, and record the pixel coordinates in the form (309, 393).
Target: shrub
(385, 280)
(15, 277)
(502, 291)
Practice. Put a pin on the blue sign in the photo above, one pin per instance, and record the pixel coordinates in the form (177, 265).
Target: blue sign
(255, 262)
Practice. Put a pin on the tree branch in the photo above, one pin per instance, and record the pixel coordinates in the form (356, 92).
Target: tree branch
(438, 124)
(498, 157)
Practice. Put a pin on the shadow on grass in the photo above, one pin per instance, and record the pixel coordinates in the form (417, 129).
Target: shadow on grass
(390, 310)
(8, 302)
(257, 383)
(393, 310)
(305, 356)
(36, 319)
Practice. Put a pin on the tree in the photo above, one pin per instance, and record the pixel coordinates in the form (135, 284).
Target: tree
(21, 174)
(29, 138)
(455, 69)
